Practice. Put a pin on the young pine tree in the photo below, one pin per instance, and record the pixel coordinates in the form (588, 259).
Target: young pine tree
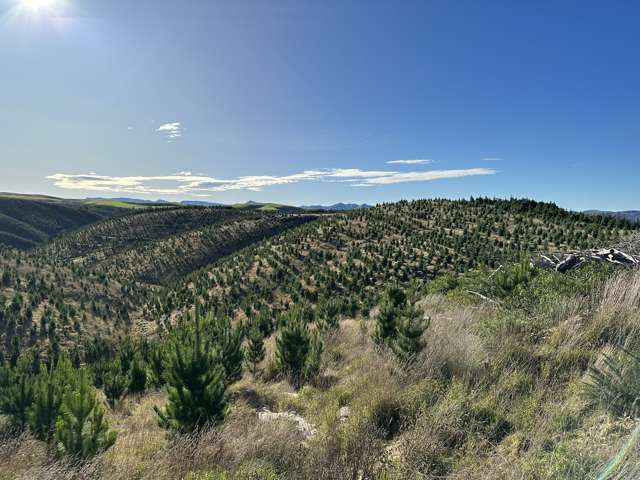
(16, 394)
(156, 365)
(386, 323)
(49, 388)
(115, 383)
(312, 362)
(228, 341)
(393, 302)
(195, 378)
(137, 375)
(254, 351)
(298, 351)
(292, 347)
(411, 327)
(81, 429)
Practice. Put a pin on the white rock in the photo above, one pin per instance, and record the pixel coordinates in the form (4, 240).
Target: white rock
(302, 425)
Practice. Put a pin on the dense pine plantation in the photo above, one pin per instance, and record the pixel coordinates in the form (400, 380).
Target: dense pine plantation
(136, 343)
(347, 258)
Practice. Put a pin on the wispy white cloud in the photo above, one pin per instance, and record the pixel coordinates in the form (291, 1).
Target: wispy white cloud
(187, 183)
(171, 130)
(428, 176)
(419, 161)
(492, 159)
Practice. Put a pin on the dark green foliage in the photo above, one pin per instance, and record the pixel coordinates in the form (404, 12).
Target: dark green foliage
(292, 348)
(386, 322)
(411, 328)
(81, 429)
(228, 344)
(254, 351)
(156, 365)
(328, 313)
(399, 325)
(49, 387)
(297, 351)
(137, 375)
(195, 377)
(115, 383)
(314, 357)
(506, 279)
(17, 392)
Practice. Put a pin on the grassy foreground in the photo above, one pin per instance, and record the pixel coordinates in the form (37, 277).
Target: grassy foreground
(504, 388)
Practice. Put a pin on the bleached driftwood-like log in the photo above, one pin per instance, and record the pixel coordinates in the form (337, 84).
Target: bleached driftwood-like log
(567, 261)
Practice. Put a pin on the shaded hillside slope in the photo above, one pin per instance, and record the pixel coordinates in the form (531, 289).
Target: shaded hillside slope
(27, 221)
(96, 281)
(160, 245)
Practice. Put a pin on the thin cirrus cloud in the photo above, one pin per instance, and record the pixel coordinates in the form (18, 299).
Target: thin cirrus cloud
(187, 183)
(418, 161)
(171, 131)
(492, 159)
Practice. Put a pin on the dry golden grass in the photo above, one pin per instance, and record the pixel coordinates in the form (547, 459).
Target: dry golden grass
(451, 347)
(139, 436)
(621, 292)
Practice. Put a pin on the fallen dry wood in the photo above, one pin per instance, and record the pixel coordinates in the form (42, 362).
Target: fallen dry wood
(567, 261)
(484, 297)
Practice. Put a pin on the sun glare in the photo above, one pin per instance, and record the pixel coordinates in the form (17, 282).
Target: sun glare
(38, 5)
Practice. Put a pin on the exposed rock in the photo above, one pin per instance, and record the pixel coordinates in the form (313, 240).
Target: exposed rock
(302, 425)
(343, 414)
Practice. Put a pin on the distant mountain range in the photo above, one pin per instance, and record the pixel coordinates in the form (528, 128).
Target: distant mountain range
(333, 208)
(631, 215)
(336, 207)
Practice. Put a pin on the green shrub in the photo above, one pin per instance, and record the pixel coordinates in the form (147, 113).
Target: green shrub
(81, 429)
(49, 389)
(196, 382)
(298, 351)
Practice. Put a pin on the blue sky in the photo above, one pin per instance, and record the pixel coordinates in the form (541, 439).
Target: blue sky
(308, 102)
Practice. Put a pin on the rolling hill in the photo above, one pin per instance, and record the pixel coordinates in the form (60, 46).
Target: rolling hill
(257, 258)
(159, 245)
(30, 220)
(350, 256)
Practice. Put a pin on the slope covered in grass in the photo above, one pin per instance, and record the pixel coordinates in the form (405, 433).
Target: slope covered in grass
(410, 336)
(27, 221)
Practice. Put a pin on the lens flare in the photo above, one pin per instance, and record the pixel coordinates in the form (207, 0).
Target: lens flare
(37, 6)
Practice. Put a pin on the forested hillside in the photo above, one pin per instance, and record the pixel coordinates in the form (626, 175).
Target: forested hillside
(95, 283)
(410, 340)
(28, 220)
(349, 257)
